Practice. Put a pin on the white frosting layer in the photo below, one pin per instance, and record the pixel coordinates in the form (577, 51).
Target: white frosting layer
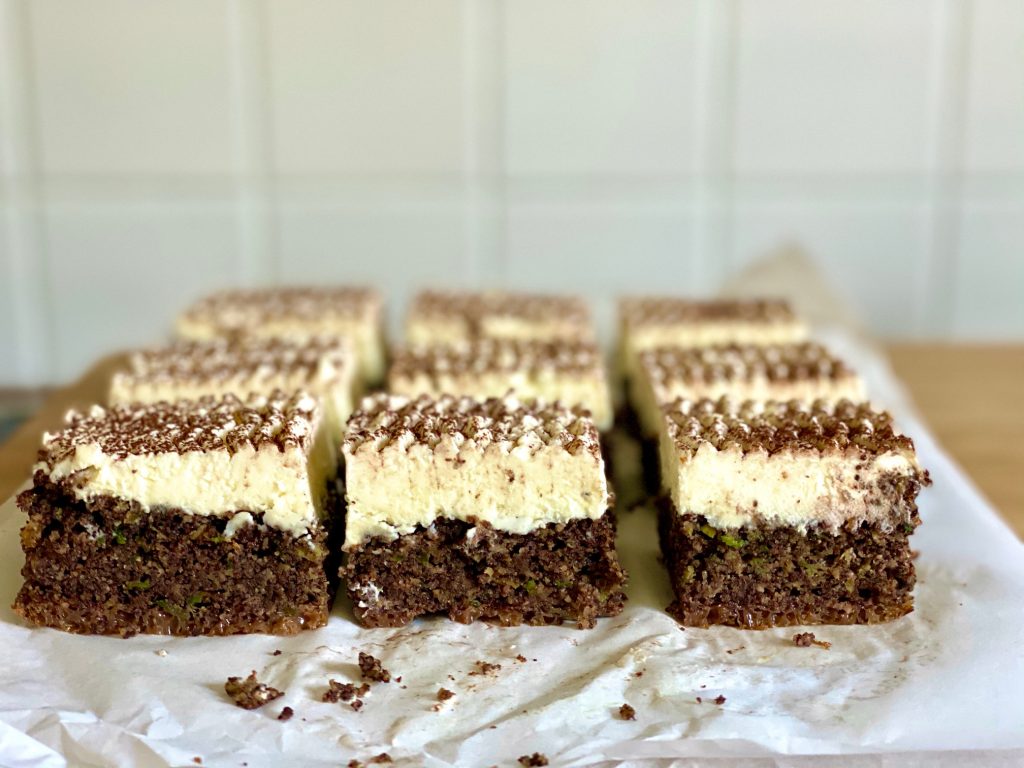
(635, 340)
(732, 489)
(364, 333)
(287, 486)
(333, 386)
(428, 331)
(393, 490)
(649, 396)
(588, 391)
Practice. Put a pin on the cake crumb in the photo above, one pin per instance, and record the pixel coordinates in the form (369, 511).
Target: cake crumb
(520, 658)
(626, 712)
(719, 700)
(383, 757)
(197, 760)
(339, 692)
(731, 651)
(286, 714)
(443, 694)
(161, 652)
(807, 639)
(536, 759)
(277, 652)
(250, 693)
(699, 700)
(485, 668)
(372, 669)
(357, 705)
(639, 673)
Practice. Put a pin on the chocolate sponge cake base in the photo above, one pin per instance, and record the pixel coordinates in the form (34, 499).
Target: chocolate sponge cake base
(470, 571)
(106, 567)
(757, 578)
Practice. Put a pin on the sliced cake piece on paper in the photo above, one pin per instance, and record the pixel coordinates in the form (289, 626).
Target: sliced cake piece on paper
(450, 317)
(198, 517)
(496, 510)
(569, 372)
(296, 313)
(785, 513)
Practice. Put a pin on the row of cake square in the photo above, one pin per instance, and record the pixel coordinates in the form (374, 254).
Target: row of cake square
(389, 430)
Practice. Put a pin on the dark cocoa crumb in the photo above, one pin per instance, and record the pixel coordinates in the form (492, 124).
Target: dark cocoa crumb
(286, 714)
(443, 694)
(626, 712)
(807, 639)
(638, 674)
(699, 701)
(250, 693)
(357, 704)
(371, 669)
(719, 700)
(485, 668)
(277, 652)
(197, 760)
(521, 659)
(353, 763)
(532, 760)
(398, 679)
(339, 692)
(383, 757)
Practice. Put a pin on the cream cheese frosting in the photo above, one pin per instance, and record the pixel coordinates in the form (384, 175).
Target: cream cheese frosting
(517, 465)
(213, 457)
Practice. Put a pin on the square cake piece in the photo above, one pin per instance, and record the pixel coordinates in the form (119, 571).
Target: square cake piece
(296, 313)
(804, 371)
(442, 317)
(201, 517)
(663, 321)
(496, 510)
(570, 372)
(188, 370)
(779, 514)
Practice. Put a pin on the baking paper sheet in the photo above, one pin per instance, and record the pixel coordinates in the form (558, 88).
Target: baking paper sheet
(948, 677)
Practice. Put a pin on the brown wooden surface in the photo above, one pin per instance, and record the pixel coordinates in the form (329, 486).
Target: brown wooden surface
(969, 395)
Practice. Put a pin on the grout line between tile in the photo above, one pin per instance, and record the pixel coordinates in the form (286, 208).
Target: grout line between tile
(950, 59)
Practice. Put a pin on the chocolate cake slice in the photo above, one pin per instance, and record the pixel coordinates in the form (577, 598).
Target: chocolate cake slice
(188, 370)
(804, 371)
(449, 317)
(494, 510)
(570, 372)
(296, 313)
(649, 322)
(201, 517)
(779, 514)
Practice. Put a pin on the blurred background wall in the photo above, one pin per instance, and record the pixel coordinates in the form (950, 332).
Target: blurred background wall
(152, 151)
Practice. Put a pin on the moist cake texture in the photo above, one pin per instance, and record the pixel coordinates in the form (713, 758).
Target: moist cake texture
(570, 372)
(496, 509)
(446, 317)
(322, 366)
(782, 372)
(295, 313)
(649, 322)
(198, 517)
(787, 513)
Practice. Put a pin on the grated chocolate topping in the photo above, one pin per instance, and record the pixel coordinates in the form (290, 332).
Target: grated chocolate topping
(207, 424)
(775, 427)
(235, 311)
(474, 308)
(252, 359)
(672, 310)
(385, 421)
(480, 356)
(744, 362)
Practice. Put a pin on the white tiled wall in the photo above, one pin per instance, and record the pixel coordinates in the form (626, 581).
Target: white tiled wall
(151, 151)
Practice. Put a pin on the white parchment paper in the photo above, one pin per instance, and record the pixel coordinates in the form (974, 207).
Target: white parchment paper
(919, 691)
